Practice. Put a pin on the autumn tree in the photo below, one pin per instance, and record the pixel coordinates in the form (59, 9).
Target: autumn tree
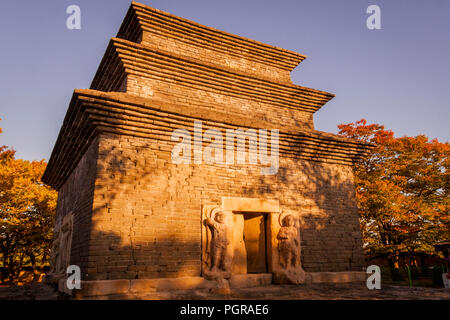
(402, 190)
(27, 209)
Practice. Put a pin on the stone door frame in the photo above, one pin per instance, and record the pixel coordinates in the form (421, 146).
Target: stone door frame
(234, 205)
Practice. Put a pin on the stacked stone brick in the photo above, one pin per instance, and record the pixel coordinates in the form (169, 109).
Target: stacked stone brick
(136, 213)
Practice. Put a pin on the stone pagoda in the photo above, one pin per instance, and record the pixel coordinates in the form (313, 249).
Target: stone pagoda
(192, 162)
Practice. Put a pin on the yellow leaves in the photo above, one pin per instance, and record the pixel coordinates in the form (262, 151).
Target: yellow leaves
(27, 210)
(27, 206)
(402, 188)
(21, 186)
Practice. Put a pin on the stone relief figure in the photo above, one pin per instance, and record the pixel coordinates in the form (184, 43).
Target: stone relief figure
(217, 255)
(54, 255)
(289, 246)
(61, 247)
(290, 270)
(216, 248)
(66, 242)
(219, 242)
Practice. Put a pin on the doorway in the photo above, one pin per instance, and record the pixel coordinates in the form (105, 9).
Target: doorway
(255, 240)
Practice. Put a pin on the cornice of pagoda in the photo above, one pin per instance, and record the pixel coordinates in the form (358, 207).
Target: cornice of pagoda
(94, 112)
(124, 57)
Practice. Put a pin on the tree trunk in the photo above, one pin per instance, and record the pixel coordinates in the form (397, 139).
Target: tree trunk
(36, 273)
(395, 270)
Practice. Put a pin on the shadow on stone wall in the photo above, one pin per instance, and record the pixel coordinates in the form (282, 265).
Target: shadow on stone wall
(122, 247)
(330, 229)
(129, 239)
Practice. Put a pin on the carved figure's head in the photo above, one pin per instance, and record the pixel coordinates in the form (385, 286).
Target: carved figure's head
(220, 217)
(289, 221)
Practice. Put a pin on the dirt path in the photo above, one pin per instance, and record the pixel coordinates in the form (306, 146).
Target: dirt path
(309, 292)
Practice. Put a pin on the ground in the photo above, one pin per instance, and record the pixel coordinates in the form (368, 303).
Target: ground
(288, 292)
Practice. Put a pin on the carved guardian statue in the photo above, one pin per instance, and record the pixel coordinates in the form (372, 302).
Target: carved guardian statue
(289, 249)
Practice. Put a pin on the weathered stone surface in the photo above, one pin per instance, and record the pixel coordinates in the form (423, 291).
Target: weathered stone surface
(336, 277)
(290, 276)
(220, 260)
(160, 285)
(250, 280)
(222, 287)
(139, 216)
(288, 268)
(100, 287)
(319, 291)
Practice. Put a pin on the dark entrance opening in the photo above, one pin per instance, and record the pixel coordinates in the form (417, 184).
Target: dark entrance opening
(255, 242)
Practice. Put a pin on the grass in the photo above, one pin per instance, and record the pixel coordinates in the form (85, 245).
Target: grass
(420, 279)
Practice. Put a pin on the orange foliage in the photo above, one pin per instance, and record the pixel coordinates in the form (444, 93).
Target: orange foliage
(402, 190)
(27, 209)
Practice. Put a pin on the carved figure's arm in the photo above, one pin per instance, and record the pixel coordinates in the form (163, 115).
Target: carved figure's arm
(211, 223)
(296, 240)
(282, 234)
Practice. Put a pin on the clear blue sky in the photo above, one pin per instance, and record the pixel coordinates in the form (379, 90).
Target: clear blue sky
(398, 76)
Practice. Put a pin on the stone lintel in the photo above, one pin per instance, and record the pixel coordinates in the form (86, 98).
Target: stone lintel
(250, 204)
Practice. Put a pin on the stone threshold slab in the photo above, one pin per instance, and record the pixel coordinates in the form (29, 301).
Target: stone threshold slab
(142, 286)
(335, 277)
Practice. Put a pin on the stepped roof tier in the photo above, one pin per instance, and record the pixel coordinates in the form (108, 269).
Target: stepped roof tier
(163, 72)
